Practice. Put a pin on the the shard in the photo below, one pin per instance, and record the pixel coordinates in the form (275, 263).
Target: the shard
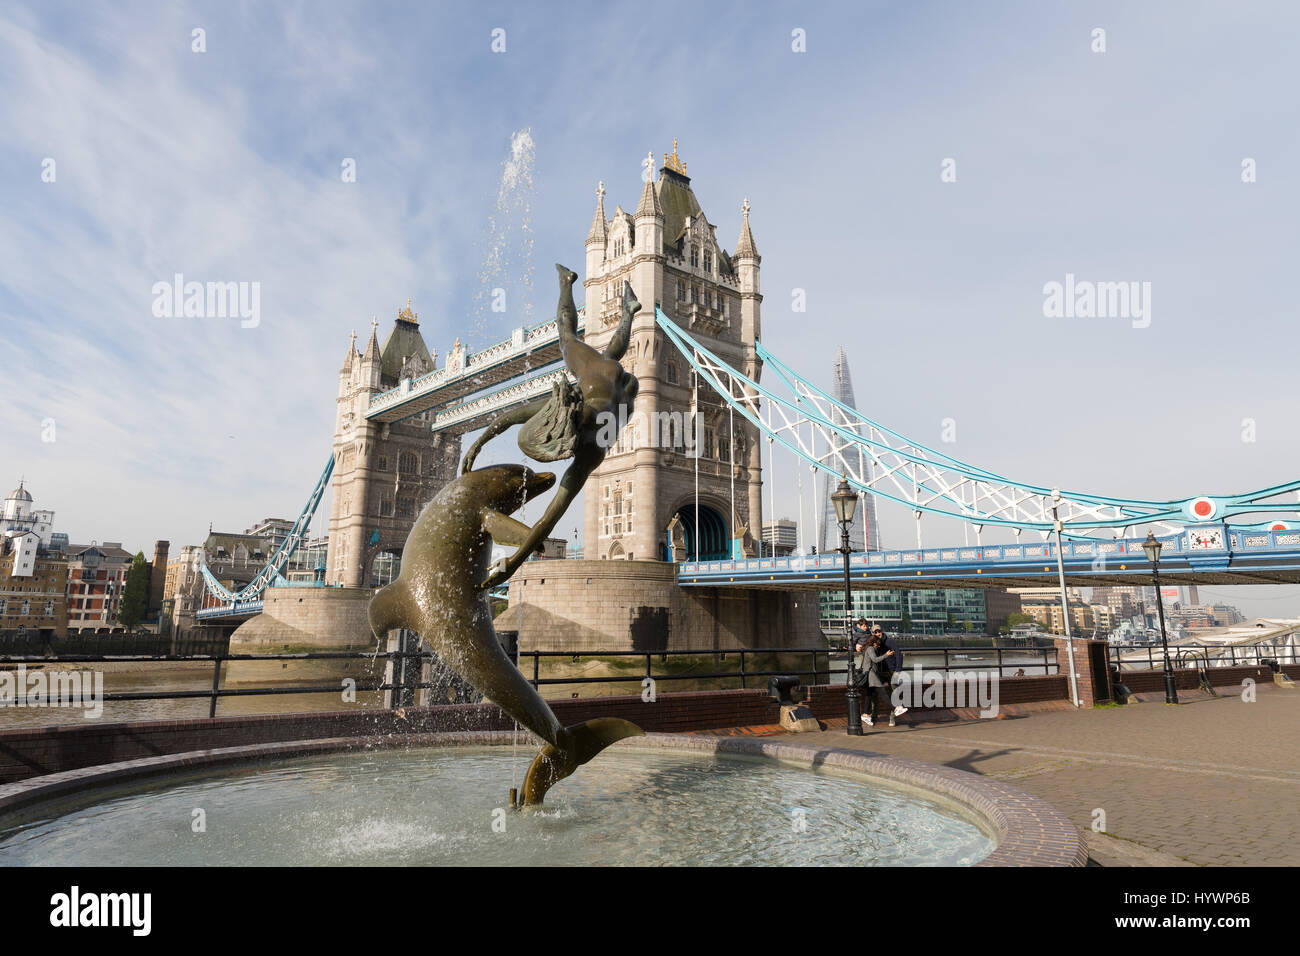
(864, 534)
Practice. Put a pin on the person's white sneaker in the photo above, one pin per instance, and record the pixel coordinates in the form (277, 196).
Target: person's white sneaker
(891, 721)
(868, 721)
(899, 711)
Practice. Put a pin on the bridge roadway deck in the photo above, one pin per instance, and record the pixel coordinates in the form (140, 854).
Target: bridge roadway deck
(527, 351)
(1265, 557)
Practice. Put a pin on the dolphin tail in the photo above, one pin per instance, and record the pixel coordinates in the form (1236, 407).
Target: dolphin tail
(578, 744)
(389, 610)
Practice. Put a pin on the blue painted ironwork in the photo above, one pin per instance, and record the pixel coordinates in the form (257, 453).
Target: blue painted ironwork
(925, 480)
(1265, 556)
(274, 568)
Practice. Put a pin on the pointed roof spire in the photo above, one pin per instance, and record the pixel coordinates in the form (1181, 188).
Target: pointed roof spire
(649, 204)
(372, 347)
(598, 233)
(745, 247)
(352, 353)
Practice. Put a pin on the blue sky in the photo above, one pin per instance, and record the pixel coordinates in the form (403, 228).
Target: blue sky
(224, 165)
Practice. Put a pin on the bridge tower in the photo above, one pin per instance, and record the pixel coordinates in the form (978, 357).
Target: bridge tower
(669, 252)
(384, 473)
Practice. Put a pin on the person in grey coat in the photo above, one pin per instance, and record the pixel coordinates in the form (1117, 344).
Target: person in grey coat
(875, 653)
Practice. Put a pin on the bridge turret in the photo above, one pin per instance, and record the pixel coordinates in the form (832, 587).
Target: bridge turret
(598, 236)
(649, 219)
(349, 365)
(371, 361)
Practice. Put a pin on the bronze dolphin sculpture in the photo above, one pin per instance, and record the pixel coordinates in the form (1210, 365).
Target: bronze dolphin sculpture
(438, 594)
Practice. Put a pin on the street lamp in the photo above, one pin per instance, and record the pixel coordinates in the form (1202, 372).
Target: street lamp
(845, 501)
(1152, 548)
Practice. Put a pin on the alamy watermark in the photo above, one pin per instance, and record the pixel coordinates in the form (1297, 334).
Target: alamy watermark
(668, 430)
(208, 300)
(46, 688)
(974, 688)
(1085, 299)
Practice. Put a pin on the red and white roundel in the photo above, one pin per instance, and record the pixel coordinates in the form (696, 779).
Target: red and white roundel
(1279, 526)
(1202, 508)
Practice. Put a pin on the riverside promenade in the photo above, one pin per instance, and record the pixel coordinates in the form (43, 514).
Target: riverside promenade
(1211, 782)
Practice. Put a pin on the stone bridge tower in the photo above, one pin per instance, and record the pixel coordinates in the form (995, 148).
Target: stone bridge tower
(383, 473)
(668, 250)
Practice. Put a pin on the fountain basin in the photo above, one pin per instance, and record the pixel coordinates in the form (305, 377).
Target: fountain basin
(439, 799)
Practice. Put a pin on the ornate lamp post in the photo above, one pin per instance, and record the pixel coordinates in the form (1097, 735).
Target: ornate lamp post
(1152, 548)
(846, 503)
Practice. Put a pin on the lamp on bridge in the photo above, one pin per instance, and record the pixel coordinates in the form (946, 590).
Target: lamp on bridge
(1152, 548)
(845, 501)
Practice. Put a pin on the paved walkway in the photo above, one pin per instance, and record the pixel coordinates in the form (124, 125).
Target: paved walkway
(1215, 781)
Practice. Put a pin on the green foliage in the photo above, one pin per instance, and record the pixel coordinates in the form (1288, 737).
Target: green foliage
(135, 596)
(1016, 617)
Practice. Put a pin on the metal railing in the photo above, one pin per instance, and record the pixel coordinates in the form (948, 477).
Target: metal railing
(742, 673)
(403, 684)
(1151, 656)
(405, 680)
(964, 658)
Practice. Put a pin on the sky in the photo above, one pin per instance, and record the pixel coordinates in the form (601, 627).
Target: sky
(225, 164)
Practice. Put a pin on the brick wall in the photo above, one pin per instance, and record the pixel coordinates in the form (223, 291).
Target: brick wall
(1094, 683)
(1153, 681)
(830, 702)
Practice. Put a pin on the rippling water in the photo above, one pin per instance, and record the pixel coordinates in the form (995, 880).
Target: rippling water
(438, 807)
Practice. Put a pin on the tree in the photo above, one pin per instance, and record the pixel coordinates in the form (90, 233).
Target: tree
(1015, 617)
(135, 596)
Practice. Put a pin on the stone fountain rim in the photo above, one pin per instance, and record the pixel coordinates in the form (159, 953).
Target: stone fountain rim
(1028, 830)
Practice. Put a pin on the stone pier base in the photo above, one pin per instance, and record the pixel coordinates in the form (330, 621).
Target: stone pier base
(638, 605)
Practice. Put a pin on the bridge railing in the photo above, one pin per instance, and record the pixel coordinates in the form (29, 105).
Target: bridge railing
(1152, 657)
(216, 692)
(657, 666)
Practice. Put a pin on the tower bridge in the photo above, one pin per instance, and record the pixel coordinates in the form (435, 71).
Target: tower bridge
(684, 523)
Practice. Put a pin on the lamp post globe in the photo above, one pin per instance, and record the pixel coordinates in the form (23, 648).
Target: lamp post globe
(1152, 547)
(845, 500)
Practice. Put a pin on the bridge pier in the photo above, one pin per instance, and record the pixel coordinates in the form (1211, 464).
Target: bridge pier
(638, 605)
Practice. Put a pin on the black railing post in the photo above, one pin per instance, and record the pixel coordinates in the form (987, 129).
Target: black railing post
(216, 685)
(742, 670)
(537, 659)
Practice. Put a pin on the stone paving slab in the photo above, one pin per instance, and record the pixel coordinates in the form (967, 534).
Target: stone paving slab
(1213, 782)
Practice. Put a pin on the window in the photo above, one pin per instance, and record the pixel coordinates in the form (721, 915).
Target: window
(681, 291)
(386, 508)
(695, 294)
(695, 256)
(708, 298)
(708, 443)
(405, 507)
(722, 304)
(672, 373)
(383, 463)
(708, 261)
(408, 463)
